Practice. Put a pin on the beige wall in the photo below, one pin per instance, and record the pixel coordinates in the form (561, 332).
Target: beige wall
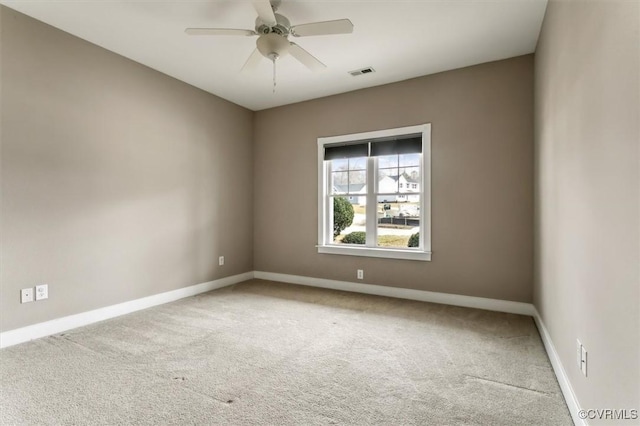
(587, 111)
(482, 180)
(118, 182)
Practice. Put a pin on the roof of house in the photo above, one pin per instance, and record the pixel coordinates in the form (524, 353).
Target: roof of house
(354, 187)
(357, 187)
(407, 178)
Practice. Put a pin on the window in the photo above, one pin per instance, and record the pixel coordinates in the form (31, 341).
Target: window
(374, 194)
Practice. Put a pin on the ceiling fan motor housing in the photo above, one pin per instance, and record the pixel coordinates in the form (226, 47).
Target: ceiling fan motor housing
(282, 26)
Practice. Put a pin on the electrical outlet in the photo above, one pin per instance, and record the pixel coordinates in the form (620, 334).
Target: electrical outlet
(360, 274)
(221, 260)
(26, 295)
(42, 291)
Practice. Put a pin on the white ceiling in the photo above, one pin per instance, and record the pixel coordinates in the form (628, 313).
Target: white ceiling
(400, 39)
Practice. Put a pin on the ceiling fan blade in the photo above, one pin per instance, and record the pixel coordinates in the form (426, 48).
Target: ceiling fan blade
(252, 62)
(220, 31)
(265, 11)
(340, 26)
(306, 58)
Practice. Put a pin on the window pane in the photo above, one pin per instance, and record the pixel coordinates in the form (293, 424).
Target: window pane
(349, 219)
(357, 182)
(359, 163)
(410, 179)
(339, 165)
(387, 180)
(407, 160)
(349, 176)
(387, 161)
(339, 182)
(398, 221)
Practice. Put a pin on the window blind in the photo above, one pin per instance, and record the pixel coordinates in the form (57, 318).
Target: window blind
(334, 152)
(401, 145)
(406, 144)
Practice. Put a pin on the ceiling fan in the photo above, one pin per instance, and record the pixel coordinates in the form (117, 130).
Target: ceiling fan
(273, 31)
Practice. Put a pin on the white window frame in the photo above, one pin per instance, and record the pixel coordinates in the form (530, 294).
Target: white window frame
(325, 231)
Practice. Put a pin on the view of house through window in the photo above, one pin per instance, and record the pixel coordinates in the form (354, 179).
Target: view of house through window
(397, 193)
(398, 216)
(374, 193)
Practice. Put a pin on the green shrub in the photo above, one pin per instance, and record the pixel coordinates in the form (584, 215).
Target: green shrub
(414, 240)
(357, 237)
(342, 215)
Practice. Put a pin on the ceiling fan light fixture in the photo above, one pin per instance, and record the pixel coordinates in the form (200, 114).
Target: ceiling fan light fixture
(272, 44)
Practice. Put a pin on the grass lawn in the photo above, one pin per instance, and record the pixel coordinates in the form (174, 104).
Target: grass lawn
(385, 240)
(361, 209)
(393, 240)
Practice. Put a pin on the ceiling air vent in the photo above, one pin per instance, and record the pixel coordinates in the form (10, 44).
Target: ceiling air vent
(367, 70)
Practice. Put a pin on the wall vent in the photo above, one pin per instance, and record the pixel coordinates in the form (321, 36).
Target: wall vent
(367, 70)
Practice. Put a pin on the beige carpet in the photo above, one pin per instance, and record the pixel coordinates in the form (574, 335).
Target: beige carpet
(269, 353)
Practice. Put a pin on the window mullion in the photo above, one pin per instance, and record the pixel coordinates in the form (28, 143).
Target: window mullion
(372, 205)
(423, 201)
(328, 222)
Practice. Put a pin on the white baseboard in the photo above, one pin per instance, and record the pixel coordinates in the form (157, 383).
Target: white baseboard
(561, 375)
(35, 331)
(405, 293)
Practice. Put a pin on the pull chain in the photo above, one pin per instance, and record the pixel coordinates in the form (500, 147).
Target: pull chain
(274, 75)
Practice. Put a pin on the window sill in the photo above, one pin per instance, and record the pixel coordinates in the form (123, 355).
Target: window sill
(376, 252)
